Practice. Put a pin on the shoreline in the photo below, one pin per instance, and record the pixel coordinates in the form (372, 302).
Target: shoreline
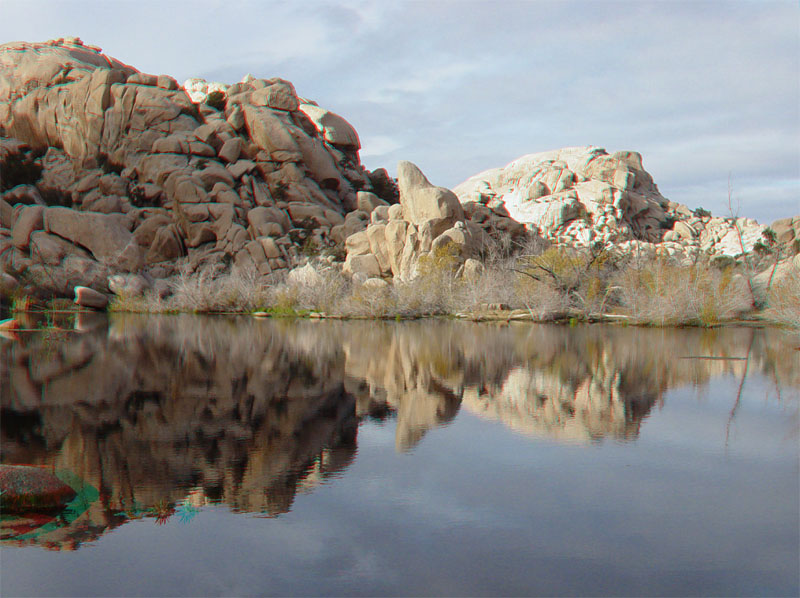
(499, 316)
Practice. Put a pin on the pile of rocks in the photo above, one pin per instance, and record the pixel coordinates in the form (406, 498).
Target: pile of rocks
(579, 196)
(428, 221)
(104, 169)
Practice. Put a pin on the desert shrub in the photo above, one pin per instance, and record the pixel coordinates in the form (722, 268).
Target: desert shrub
(580, 277)
(213, 289)
(783, 300)
(321, 291)
(666, 293)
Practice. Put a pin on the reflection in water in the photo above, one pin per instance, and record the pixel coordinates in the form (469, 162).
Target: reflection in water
(166, 414)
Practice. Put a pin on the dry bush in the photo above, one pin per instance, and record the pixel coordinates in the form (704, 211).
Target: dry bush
(662, 293)
(580, 280)
(211, 290)
(783, 300)
(208, 290)
(321, 289)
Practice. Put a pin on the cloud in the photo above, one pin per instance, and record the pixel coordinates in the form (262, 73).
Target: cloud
(379, 145)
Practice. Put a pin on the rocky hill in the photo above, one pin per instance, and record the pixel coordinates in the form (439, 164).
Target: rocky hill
(584, 195)
(105, 170)
(108, 169)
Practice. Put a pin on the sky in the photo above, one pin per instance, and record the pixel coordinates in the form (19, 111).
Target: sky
(707, 92)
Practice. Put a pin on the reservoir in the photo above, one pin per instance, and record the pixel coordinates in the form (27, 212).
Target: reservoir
(240, 456)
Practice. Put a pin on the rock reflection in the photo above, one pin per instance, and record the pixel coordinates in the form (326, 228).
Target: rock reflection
(166, 413)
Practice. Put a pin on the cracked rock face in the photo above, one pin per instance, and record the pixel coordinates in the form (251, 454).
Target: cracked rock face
(174, 170)
(429, 223)
(583, 195)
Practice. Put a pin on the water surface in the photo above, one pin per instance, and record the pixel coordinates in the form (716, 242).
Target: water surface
(256, 457)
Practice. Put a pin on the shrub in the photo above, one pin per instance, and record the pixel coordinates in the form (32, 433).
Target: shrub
(580, 276)
(783, 300)
(666, 293)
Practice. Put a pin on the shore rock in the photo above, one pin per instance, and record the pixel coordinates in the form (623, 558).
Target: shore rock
(27, 488)
(86, 297)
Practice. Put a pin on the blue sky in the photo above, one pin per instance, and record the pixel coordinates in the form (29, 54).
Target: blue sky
(703, 90)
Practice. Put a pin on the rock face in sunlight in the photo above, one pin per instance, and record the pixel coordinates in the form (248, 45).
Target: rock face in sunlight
(165, 177)
(584, 195)
(428, 229)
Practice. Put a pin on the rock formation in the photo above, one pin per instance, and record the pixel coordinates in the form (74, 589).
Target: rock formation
(428, 222)
(107, 172)
(104, 169)
(583, 195)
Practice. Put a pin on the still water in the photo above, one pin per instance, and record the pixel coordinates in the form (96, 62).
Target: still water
(257, 457)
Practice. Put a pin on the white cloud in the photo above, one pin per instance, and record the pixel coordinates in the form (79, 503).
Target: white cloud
(376, 146)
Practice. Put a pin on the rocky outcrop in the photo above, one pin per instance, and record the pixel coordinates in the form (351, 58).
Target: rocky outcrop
(140, 174)
(787, 233)
(579, 196)
(428, 227)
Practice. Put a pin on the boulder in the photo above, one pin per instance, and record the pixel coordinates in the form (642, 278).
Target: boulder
(358, 244)
(280, 96)
(304, 276)
(103, 235)
(264, 220)
(584, 188)
(145, 233)
(456, 239)
(166, 245)
(271, 134)
(49, 249)
(379, 214)
(376, 233)
(395, 234)
(333, 128)
(86, 297)
(30, 219)
(301, 212)
(362, 264)
(25, 488)
(128, 285)
(472, 269)
(375, 284)
(423, 201)
(230, 151)
(240, 168)
(786, 229)
(367, 201)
